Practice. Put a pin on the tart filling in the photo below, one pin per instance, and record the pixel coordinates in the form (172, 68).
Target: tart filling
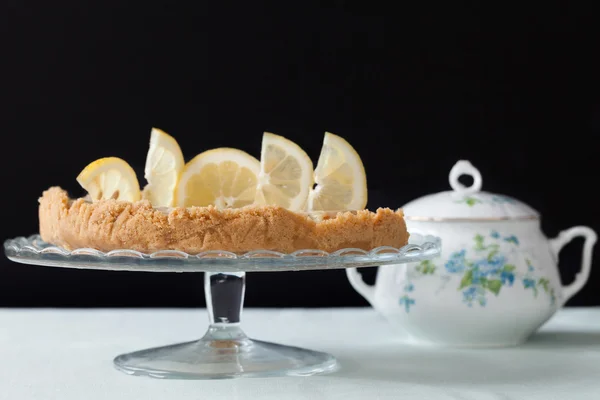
(111, 224)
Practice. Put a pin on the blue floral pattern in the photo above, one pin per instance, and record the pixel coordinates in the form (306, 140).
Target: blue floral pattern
(424, 268)
(484, 271)
(489, 271)
(533, 284)
(407, 302)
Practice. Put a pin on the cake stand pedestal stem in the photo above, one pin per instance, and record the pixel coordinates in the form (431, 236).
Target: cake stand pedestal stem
(224, 293)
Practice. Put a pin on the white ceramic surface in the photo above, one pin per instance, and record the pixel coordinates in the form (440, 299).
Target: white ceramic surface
(496, 280)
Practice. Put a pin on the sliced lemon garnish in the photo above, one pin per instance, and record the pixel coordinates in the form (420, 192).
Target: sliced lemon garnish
(164, 164)
(225, 178)
(340, 177)
(286, 173)
(110, 178)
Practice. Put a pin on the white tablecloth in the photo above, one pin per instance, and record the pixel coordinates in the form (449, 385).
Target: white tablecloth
(67, 355)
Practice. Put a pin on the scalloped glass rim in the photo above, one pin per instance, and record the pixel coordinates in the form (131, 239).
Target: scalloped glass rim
(33, 250)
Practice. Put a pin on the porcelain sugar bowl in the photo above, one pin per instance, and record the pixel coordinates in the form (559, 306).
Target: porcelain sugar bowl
(494, 284)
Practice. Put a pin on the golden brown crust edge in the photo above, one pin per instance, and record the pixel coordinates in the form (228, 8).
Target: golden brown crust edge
(109, 225)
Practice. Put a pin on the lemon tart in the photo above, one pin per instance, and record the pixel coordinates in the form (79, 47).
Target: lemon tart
(223, 199)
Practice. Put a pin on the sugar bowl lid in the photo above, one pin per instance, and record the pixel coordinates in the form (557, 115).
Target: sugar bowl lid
(467, 203)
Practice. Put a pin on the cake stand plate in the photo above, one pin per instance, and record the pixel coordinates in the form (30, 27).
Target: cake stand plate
(224, 351)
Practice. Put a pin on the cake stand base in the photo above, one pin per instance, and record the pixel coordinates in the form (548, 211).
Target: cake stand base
(217, 357)
(225, 351)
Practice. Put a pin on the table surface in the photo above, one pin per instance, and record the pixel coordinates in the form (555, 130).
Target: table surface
(67, 354)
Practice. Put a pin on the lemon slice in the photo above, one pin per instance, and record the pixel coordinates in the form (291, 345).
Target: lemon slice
(110, 178)
(340, 177)
(224, 177)
(164, 164)
(286, 173)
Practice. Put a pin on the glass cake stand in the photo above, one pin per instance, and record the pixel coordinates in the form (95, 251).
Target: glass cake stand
(224, 351)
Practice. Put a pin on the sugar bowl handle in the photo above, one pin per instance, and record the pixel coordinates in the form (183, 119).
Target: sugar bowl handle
(356, 280)
(582, 276)
(464, 167)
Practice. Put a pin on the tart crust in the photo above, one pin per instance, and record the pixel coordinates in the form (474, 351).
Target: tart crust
(109, 225)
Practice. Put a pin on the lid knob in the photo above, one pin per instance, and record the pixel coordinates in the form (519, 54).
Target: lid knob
(464, 167)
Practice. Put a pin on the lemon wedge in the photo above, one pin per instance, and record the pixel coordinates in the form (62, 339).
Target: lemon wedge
(224, 177)
(286, 173)
(340, 177)
(164, 164)
(110, 178)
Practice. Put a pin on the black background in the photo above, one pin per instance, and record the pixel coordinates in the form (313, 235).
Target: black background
(414, 90)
